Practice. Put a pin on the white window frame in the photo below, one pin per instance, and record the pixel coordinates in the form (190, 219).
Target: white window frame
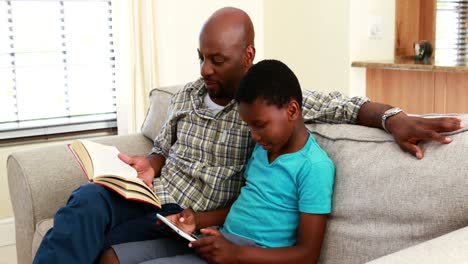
(68, 123)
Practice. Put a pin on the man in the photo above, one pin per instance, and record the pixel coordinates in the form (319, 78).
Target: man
(198, 159)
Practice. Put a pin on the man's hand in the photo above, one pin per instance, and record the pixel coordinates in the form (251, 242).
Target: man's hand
(408, 131)
(185, 220)
(214, 248)
(143, 167)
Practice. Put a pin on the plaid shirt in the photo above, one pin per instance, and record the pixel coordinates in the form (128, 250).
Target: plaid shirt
(206, 153)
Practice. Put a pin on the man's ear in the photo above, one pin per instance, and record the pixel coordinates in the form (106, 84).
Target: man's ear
(293, 109)
(249, 55)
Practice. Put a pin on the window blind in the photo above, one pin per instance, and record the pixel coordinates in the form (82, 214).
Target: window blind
(57, 67)
(451, 32)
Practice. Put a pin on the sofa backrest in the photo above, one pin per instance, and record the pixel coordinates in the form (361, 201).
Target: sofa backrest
(157, 111)
(384, 199)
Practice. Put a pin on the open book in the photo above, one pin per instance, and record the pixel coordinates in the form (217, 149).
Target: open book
(102, 166)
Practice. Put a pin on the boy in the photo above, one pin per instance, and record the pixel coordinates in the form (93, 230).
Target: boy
(281, 213)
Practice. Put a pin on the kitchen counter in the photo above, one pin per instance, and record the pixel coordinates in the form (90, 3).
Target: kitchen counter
(416, 87)
(410, 64)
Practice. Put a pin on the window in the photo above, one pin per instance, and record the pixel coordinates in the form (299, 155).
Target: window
(57, 71)
(451, 32)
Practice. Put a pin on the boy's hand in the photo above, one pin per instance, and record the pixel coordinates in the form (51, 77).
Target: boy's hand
(185, 220)
(143, 167)
(214, 248)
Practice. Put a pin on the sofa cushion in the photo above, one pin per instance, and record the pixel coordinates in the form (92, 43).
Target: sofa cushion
(159, 100)
(450, 248)
(386, 200)
(41, 229)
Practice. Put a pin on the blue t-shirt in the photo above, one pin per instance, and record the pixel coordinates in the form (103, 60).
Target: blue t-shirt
(268, 208)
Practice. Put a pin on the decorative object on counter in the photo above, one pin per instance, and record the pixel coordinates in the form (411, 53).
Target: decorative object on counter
(422, 51)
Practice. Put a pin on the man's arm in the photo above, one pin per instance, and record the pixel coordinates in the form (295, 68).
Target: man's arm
(157, 161)
(370, 114)
(147, 167)
(408, 130)
(150, 167)
(168, 134)
(333, 107)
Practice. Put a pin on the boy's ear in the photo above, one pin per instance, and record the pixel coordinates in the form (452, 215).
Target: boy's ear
(293, 109)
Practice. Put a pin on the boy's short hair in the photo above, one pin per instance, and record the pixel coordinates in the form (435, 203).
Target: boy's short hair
(271, 80)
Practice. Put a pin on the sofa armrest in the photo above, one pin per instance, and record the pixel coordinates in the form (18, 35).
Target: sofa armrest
(40, 181)
(449, 248)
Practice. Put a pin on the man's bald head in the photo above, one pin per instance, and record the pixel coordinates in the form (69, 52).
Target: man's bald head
(226, 52)
(231, 24)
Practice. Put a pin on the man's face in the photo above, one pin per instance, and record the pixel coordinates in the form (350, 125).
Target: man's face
(222, 65)
(269, 125)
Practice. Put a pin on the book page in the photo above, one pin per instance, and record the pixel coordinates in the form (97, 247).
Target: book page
(129, 194)
(82, 156)
(105, 161)
(130, 184)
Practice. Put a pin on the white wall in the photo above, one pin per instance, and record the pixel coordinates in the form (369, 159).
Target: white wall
(320, 39)
(178, 25)
(311, 37)
(361, 47)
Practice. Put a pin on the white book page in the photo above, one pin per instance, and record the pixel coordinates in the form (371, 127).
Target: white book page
(106, 162)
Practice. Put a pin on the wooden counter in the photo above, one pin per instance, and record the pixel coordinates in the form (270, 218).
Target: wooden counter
(410, 65)
(417, 88)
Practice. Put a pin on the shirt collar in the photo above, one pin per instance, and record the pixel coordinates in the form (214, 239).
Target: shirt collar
(197, 92)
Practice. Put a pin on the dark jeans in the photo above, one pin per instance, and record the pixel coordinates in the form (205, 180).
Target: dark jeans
(170, 250)
(95, 218)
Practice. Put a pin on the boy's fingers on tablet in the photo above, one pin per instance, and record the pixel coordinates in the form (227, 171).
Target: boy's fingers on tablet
(200, 242)
(174, 218)
(187, 215)
(210, 231)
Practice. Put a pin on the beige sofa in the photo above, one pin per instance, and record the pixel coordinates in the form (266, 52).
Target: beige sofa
(385, 201)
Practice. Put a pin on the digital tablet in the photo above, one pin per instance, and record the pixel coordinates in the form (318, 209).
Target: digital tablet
(176, 229)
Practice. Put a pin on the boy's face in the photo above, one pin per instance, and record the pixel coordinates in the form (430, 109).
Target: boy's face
(270, 126)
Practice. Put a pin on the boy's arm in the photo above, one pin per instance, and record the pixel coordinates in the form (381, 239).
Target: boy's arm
(189, 221)
(211, 218)
(307, 250)
(216, 249)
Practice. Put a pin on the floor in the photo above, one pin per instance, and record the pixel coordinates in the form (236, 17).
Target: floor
(8, 254)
